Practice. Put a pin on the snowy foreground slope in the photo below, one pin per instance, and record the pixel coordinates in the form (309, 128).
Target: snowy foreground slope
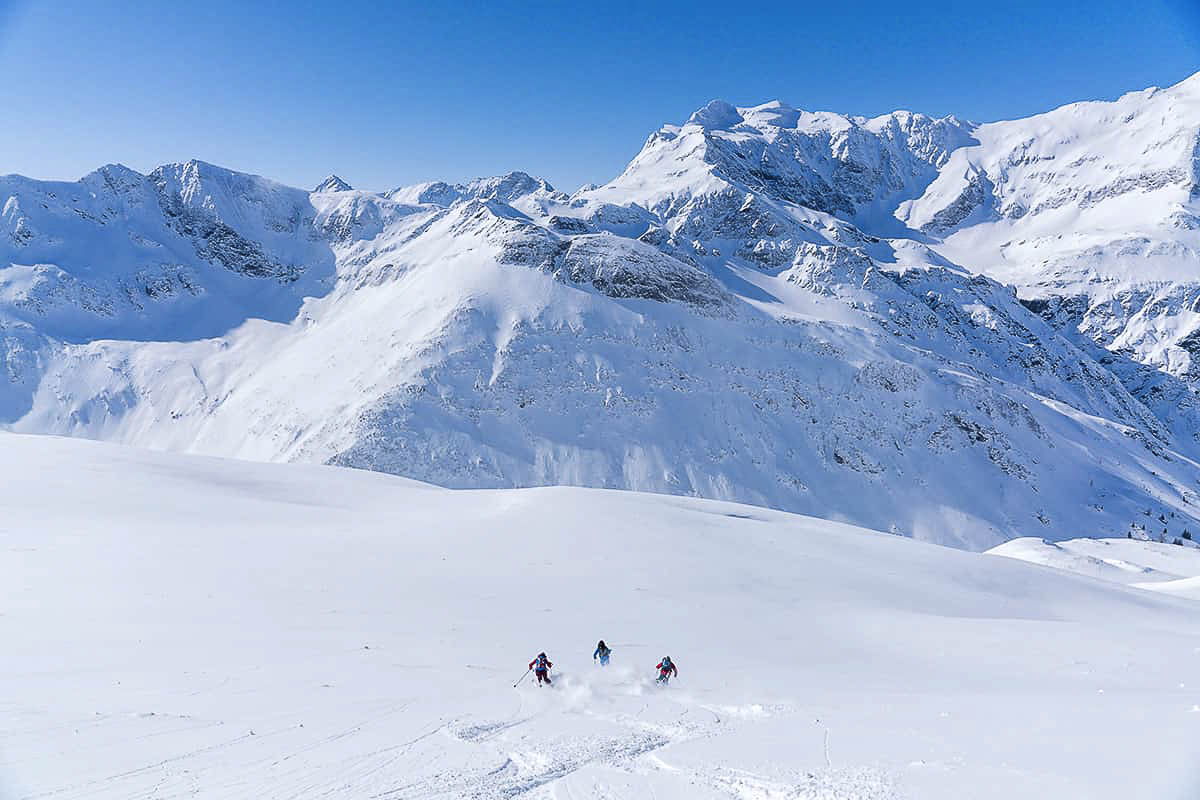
(785, 308)
(185, 626)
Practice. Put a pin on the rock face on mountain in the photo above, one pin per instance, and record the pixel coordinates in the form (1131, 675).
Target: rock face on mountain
(953, 331)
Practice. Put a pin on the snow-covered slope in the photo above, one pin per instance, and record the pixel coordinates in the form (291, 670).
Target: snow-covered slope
(1170, 568)
(768, 305)
(177, 625)
(1124, 560)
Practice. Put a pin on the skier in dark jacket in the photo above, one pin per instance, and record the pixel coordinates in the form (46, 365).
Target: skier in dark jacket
(603, 651)
(665, 670)
(541, 669)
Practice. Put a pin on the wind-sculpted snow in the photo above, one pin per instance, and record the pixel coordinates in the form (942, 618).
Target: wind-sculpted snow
(797, 309)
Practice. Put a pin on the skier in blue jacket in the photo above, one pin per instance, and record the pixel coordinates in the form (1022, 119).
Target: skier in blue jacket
(602, 652)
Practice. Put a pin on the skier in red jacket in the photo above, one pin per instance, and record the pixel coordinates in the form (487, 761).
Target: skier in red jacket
(541, 669)
(665, 670)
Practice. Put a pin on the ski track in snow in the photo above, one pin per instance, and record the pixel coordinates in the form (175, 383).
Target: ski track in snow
(527, 766)
(522, 762)
(527, 762)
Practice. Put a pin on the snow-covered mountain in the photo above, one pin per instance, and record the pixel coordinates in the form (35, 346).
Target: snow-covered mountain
(953, 331)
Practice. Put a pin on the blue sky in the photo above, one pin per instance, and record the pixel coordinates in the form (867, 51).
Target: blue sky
(391, 93)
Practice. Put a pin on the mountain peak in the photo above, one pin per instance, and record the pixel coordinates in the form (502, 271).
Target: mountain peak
(717, 115)
(115, 172)
(506, 187)
(333, 184)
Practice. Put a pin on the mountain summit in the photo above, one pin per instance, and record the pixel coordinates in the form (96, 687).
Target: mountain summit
(333, 184)
(954, 331)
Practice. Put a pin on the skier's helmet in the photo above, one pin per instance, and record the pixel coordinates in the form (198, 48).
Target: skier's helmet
(666, 660)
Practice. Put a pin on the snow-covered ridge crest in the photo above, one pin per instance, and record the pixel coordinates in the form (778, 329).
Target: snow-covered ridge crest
(829, 162)
(804, 310)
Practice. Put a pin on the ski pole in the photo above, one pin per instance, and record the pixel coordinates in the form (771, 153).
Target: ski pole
(523, 676)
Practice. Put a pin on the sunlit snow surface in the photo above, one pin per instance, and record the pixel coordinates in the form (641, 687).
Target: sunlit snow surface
(1158, 566)
(184, 626)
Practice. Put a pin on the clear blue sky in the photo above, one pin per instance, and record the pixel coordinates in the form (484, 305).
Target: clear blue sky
(392, 93)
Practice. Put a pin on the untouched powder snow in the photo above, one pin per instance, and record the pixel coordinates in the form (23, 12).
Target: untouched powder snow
(1184, 587)
(186, 626)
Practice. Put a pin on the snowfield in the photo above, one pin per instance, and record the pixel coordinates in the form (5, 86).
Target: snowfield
(188, 626)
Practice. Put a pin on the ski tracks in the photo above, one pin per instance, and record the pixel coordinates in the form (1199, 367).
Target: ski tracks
(605, 740)
(280, 760)
(635, 753)
(845, 784)
(585, 738)
(529, 765)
